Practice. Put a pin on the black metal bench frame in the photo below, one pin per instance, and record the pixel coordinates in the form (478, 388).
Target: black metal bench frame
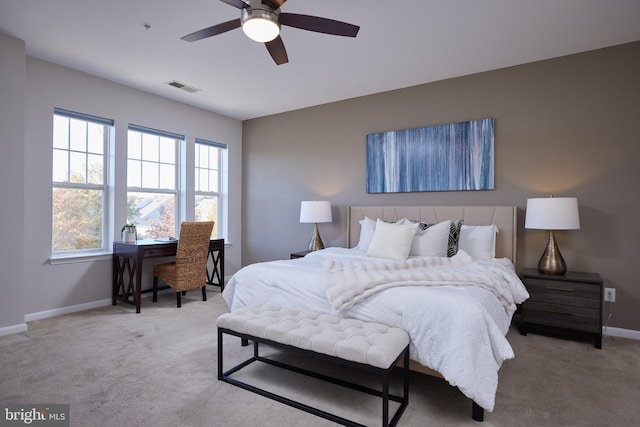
(385, 373)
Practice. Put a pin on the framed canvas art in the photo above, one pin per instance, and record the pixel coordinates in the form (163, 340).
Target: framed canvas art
(450, 157)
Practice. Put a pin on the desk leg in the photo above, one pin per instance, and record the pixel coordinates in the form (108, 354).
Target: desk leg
(217, 270)
(138, 284)
(221, 261)
(114, 284)
(124, 268)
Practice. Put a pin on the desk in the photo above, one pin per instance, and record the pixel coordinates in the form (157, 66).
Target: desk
(127, 264)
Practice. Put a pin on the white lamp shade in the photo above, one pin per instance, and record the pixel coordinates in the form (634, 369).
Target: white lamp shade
(552, 213)
(315, 212)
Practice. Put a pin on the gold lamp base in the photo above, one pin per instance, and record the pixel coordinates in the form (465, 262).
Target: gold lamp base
(551, 261)
(316, 242)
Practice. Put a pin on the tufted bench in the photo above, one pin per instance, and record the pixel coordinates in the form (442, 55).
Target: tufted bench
(369, 346)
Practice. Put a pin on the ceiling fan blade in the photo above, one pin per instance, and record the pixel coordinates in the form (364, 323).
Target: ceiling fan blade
(212, 31)
(319, 25)
(236, 3)
(274, 4)
(277, 51)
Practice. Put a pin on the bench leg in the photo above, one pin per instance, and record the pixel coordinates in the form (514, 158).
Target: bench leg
(220, 354)
(406, 378)
(385, 400)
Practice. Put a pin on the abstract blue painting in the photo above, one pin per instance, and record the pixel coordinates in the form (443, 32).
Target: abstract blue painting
(451, 157)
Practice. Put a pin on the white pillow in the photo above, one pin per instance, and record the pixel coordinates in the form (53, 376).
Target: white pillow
(392, 241)
(479, 241)
(367, 227)
(433, 241)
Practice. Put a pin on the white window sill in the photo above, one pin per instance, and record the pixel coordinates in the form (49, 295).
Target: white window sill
(75, 258)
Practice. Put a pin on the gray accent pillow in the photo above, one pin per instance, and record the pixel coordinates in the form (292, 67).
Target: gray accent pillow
(454, 238)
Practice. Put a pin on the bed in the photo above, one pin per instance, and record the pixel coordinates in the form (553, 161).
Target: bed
(456, 306)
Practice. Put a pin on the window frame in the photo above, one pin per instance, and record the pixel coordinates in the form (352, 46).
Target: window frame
(176, 192)
(220, 225)
(108, 136)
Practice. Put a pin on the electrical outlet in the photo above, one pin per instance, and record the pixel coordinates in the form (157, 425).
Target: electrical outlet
(610, 294)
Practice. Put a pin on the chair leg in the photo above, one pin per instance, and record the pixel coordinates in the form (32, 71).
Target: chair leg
(155, 289)
(204, 293)
(178, 299)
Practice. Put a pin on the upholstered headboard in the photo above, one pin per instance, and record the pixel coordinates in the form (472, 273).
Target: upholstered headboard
(504, 217)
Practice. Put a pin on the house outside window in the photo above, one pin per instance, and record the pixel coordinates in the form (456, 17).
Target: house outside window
(210, 159)
(152, 181)
(79, 182)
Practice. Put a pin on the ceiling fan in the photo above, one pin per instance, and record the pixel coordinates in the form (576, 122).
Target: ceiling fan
(261, 20)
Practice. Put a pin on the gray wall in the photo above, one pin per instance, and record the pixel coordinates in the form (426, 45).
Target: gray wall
(567, 126)
(31, 286)
(49, 86)
(12, 86)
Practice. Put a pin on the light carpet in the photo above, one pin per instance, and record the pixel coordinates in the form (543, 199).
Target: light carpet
(158, 368)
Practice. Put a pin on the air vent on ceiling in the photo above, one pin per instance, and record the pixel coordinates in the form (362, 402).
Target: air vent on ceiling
(183, 86)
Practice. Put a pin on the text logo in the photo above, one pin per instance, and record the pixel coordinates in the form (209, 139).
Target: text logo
(34, 415)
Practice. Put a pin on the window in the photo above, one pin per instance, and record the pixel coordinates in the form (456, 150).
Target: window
(79, 180)
(209, 157)
(152, 181)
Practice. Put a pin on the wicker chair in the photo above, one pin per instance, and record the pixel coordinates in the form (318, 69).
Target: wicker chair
(189, 270)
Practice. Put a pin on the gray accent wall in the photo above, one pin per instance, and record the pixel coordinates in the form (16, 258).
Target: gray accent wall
(567, 126)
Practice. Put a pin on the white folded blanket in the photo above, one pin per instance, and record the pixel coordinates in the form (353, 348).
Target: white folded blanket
(348, 283)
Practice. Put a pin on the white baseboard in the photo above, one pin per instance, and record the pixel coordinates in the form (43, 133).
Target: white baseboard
(79, 307)
(622, 333)
(66, 310)
(13, 329)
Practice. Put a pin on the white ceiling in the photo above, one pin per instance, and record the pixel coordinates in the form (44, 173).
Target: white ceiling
(400, 44)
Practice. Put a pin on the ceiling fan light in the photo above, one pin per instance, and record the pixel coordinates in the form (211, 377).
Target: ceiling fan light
(261, 30)
(260, 25)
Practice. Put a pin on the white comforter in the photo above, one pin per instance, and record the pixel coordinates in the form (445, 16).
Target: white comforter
(457, 329)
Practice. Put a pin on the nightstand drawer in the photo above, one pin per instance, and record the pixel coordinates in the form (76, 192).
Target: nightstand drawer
(563, 316)
(569, 293)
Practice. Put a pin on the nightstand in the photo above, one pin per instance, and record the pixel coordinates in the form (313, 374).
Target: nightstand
(571, 302)
(300, 254)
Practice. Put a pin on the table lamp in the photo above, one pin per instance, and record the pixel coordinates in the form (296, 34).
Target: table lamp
(552, 213)
(315, 212)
